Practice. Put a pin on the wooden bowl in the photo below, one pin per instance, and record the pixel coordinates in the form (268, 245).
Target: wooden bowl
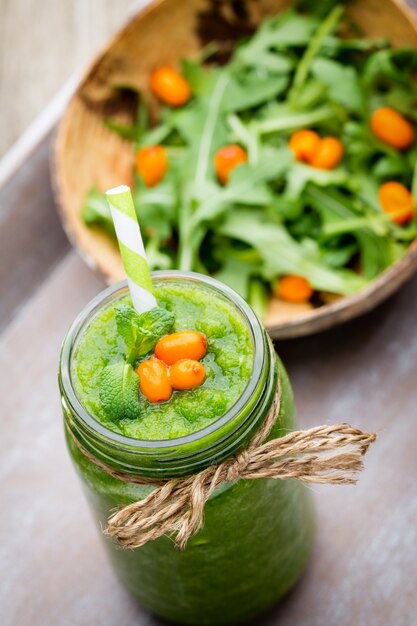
(86, 153)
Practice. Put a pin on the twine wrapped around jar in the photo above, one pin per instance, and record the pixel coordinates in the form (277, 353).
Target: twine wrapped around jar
(323, 454)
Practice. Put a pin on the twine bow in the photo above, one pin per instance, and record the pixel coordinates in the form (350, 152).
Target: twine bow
(323, 454)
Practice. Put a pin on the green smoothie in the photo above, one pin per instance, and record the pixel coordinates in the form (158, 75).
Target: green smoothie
(228, 364)
(257, 534)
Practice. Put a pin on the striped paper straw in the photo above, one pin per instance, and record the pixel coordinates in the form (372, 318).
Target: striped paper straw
(131, 248)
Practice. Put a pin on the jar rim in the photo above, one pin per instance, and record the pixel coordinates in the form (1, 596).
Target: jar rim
(94, 426)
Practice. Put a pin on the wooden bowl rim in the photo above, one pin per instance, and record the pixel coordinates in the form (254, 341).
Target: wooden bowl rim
(305, 323)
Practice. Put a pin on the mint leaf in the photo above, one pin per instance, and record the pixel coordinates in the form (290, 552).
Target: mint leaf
(127, 321)
(141, 332)
(119, 386)
(153, 325)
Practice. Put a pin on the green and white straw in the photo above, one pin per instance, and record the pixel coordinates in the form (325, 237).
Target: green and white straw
(131, 248)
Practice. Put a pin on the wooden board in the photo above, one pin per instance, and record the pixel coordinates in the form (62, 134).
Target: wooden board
(53, 570)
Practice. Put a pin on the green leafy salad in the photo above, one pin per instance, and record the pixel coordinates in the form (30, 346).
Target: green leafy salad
(295, 159)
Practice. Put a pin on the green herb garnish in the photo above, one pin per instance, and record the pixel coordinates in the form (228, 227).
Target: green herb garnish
(119, 383)
(119, 386)
(140, 333)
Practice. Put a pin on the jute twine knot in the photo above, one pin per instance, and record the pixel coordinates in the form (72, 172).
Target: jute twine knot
(323, 454)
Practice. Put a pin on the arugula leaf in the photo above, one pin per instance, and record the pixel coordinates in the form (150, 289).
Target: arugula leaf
(247, 186)
(390, 167)
(339, 251)
(281, 254)
(156, 208)
(236, 274)
(131, 131)
(376, 250)
(275, 63)
(396, 65)
(127, 131)
(157, 258)
(204, 128)
(156, 135)
(287, 29)
(282, 118)
(210, 138)
(258, 297)
(334, 46)
(280, 32)
(119, 385)
(314, 95)
(326, 27)
(140, 333)
(321, 8)
(299, 175)
(252, 90)
(341, 81)
(96, 210)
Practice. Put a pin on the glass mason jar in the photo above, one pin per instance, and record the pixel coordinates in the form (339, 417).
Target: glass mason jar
(257, 534)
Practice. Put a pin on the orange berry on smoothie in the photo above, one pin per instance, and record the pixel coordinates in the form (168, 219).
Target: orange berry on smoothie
(154, 380)
(188, 344)
(187, 374)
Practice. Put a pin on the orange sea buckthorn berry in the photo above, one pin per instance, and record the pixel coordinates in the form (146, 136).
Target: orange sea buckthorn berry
(392, 128)
(170, 87)
(304, 144)
(151, 164)
(154, 380)
(295, 289)
(226, 159)
(397, 201)
(187, 344)
(187, 374)
(328, 154)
